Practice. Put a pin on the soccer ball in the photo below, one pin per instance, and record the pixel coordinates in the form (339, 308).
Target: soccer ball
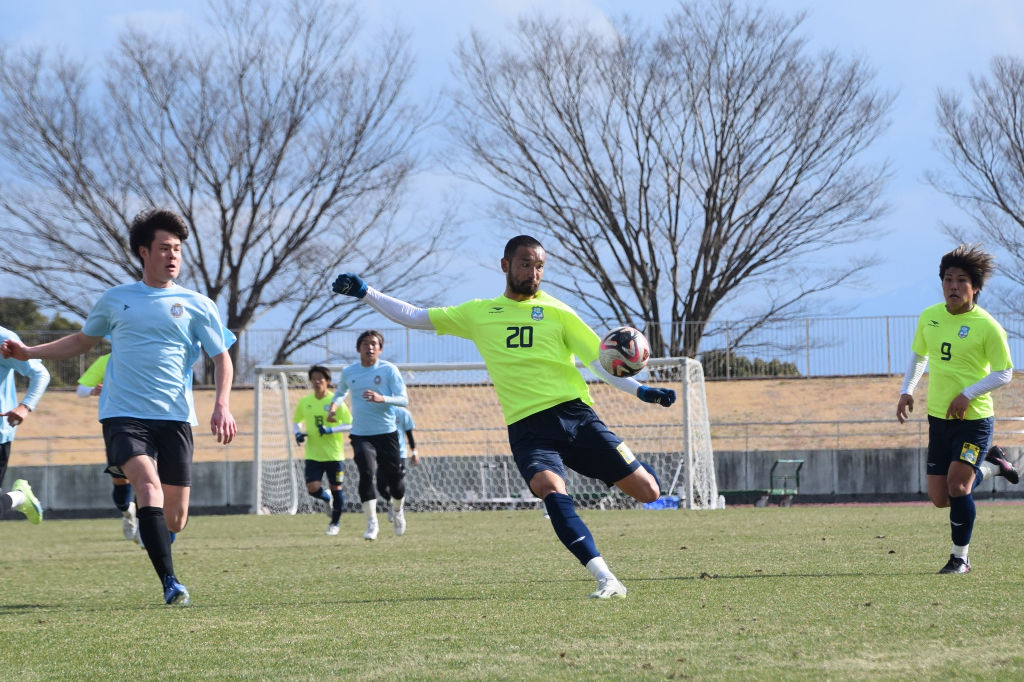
(624, 352)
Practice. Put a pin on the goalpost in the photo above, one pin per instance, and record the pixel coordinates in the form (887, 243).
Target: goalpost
(462, 440)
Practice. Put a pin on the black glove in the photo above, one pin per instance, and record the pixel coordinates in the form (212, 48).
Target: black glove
(322, 430)
(300, 438)
(349, 284)
(649, 394)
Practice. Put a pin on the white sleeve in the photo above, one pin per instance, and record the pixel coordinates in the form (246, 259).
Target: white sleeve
(989, 383)
(84, 391)
(627, 384)
(397, 311)
(915, 370)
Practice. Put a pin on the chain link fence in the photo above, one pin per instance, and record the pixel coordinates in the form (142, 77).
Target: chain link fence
(808, 347)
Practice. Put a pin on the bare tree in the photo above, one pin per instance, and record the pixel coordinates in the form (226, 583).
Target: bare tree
(676, 171)
(286, 144)
(983, 142)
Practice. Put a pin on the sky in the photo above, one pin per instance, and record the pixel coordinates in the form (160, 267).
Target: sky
(916, 47)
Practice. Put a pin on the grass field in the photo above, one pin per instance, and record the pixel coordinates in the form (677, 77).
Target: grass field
(836, 592)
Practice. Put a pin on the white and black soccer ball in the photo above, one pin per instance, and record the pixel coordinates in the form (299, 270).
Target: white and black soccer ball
(624, 352)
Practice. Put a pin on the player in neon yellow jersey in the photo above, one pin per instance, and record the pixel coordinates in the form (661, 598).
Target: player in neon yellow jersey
(90, 384)
(968, 357)
(325, 444)
(528, 340)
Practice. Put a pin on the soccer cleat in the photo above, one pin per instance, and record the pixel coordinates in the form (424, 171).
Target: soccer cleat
(609, 588)
(1006, 470)
(332, 529)
(175, 592)
(129, 522)
(30, 507)
(398, 521)
(371, 529)
(956, 565)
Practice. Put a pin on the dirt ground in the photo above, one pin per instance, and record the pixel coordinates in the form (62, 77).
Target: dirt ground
(767, 414)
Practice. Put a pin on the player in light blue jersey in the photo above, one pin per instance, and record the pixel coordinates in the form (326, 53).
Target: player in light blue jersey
(406, 439)
(156, 330)
(13, 412)
(376, 386)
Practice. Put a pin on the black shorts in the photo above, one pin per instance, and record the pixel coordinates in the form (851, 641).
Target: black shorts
(169, 443)
(957, 440)
(569, 435)
(315, 471)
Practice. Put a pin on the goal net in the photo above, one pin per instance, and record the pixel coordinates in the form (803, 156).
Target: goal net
(462, 441)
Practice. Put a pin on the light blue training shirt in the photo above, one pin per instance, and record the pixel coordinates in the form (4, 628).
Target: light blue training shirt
(403, 420)
(38, 380)
(368, 418)
(155, 335)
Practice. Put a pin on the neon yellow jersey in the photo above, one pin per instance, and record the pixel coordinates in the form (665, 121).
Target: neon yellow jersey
(961, 350)
(528, 347)
(93, 375)
(312, 411)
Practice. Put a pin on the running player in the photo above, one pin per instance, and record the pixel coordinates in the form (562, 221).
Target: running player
(156, 328)
(90, 384)
(528, 339)
(376, 385)
(13, 412)
(967, 357)
(325, 446)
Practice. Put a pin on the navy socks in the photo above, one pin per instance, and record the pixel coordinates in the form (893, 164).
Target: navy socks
(961, 518)
(569, 527)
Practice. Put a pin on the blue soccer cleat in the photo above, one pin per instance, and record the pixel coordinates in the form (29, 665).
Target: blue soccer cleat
(175, 592)
(30, 507)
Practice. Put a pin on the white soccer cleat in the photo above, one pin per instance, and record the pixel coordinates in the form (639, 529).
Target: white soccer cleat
(609, 588)
(129, 522)
(371, 529)
(398, 521)
(332, 529)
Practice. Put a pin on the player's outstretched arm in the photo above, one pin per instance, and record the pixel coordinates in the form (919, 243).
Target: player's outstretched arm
(61, 349)
(222, 423)
(397, 311)
(649, 394)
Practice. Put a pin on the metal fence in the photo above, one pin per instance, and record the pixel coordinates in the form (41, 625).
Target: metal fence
(813, 346)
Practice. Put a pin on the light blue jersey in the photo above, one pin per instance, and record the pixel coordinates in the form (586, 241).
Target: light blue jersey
(372, 419)
(38, 380)
(403, 420)
(156, 335)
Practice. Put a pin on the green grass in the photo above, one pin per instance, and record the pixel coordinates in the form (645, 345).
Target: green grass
(802, 593)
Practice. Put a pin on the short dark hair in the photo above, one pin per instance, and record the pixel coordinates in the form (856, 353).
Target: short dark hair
(520, 240)
(368, 333)
(323, 370)
(972, 259)
(144, 226)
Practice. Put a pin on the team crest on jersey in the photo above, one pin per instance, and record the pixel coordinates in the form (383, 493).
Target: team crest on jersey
(537, 313)
(376, 379)
(177, 310)
(963, 331)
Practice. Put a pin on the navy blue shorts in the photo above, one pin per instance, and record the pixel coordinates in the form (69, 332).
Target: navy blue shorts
(167, 442)
(957, 440)
(569, 435)
(315, 471)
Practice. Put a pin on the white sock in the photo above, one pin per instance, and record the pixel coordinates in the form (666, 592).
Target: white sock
(960, 551)
(988, 470)
(397, 504)
(17, 498)
(370, 509)
(599, 569)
